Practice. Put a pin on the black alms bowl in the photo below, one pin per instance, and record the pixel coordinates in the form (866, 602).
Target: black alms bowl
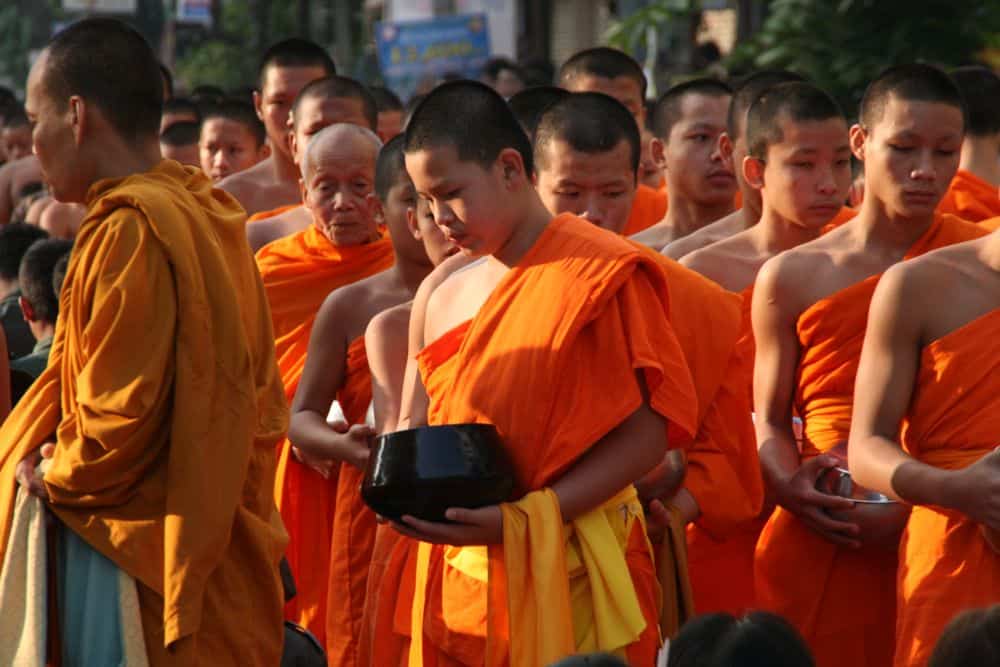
(424, 471)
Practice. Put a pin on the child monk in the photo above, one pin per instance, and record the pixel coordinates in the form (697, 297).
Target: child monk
(733, 147)
(494, 317)
(688, 120)
(810, 306)
(618, 75)
(342, 246)
(924, 431)
(161, 405)
(586, 159)
(232, 139)
(974, 194)
(321, 103)
(284, 70)
(337, 369)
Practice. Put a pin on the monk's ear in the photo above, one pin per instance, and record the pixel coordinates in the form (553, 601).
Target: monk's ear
(27, 310)
(411, 222)
(258, 105)
(753, 172)
(512, 168)
(264, 151)
(657, 149)
(291, 142)
(302, 189)
(859, 136)
(77, 113)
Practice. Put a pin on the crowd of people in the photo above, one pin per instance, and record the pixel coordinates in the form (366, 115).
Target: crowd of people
(682, 316)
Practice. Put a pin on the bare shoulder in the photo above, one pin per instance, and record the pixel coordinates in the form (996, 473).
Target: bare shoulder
(654, 237)
(262, 232)
(389, 326)
(786, 280)
(713, 233)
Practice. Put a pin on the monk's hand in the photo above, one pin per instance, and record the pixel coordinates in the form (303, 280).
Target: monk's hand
(357, 445)
(975, 490)
(468, 527)
(657, 521)
(27, 474)
(800, 496)
(321, 466)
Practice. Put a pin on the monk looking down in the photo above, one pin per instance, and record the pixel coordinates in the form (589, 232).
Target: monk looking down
(231, 139)
(342, 246)
(284, 70)
(810, 306)
(160, 446)
(322, 103)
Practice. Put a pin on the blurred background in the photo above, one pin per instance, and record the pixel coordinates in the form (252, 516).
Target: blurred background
(408, 45)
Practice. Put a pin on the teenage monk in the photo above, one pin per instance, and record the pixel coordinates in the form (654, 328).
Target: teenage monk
(342, 246)
(284, 70)
(687, 122)
(159, 447)
(529, 104)
(618, 75)
(810, 306)
(924, 431)
(733, 147)
(321, 103)
(232, 138)
(483, 333)
(974, 194)
(337, 369)
(586, 162)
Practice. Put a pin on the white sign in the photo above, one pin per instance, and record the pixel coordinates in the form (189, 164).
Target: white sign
(502, 17)
(408, 10)
(109, 6)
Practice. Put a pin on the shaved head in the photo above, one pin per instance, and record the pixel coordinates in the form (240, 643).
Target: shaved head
(668, 109)
(604, 62)
(980, 88)
(529, 105)
(748, 90)
(340, 136)
(589, 123)
(908, 83)
(339, 87)
(797, 102)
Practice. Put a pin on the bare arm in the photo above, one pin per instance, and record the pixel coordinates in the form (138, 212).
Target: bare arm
(387, 346)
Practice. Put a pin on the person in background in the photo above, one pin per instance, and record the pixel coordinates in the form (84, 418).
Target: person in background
(15, 239)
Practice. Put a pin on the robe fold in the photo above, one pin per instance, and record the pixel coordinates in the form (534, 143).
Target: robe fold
(299, 271)
(842, 600)
(264, 215)
(353, 526)
(648, 208)
(970, 198)
(164, 400)
(609, 323)
(945, 564)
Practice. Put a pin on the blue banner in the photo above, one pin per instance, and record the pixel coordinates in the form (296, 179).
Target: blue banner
(412, 52)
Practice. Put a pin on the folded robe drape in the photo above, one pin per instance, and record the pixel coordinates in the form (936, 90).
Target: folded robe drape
(970, 198)
(648, 208)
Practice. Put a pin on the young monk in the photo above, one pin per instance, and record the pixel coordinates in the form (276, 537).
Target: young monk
(484, 332)
(284, 70)
(321, 103)
(618, 75)
(810, 305)
(974, 194)
(179, 142)
(924, 432)
(529, 105)
(586, 161)
(159, 447)
(390, 113)
(733, 148)
(687, 122)
(16, 136)
(342, 246)
(337, 369)
(179, 110)
(232, 139)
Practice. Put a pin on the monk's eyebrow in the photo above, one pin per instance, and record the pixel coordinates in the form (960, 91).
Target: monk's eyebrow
(702, 126)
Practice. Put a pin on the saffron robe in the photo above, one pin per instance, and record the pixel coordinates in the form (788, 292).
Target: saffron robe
(264, 215)
(970, 198)
(648, 208)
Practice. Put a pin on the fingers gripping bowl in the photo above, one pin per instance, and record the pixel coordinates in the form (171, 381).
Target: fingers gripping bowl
(424, 471)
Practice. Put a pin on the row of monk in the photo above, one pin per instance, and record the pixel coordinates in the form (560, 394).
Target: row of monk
(478, 268)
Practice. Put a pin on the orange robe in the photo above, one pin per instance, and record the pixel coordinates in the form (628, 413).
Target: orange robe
(945, 564)
(605, 327)
(263, 215)
(299, 271)
(353, 526)
(648, 208)
(841, 600)
(970, 198)
(991, 225)
(164, 400)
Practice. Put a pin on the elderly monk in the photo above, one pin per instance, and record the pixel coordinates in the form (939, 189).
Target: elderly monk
(618, 75)
(974, 194)
(733, 147)
(160, 447)
(925, 427)
(342, 246)
(586, 158)
(337, 370)
(323, 102)
(687, 121)
(482, 333)
(810, 306)
(284, 70)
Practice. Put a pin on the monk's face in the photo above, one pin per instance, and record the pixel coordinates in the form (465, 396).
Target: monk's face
(807, 173)
(598, 187)
(226, 147)
(390, 124)
(624, 89)
(280, 87)
(398, 203)
(693, 163)
(436, 245)
(465, 198)
(16, 142)
(187, 154)
(911, 154)
(338, 191)
(315, 113)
